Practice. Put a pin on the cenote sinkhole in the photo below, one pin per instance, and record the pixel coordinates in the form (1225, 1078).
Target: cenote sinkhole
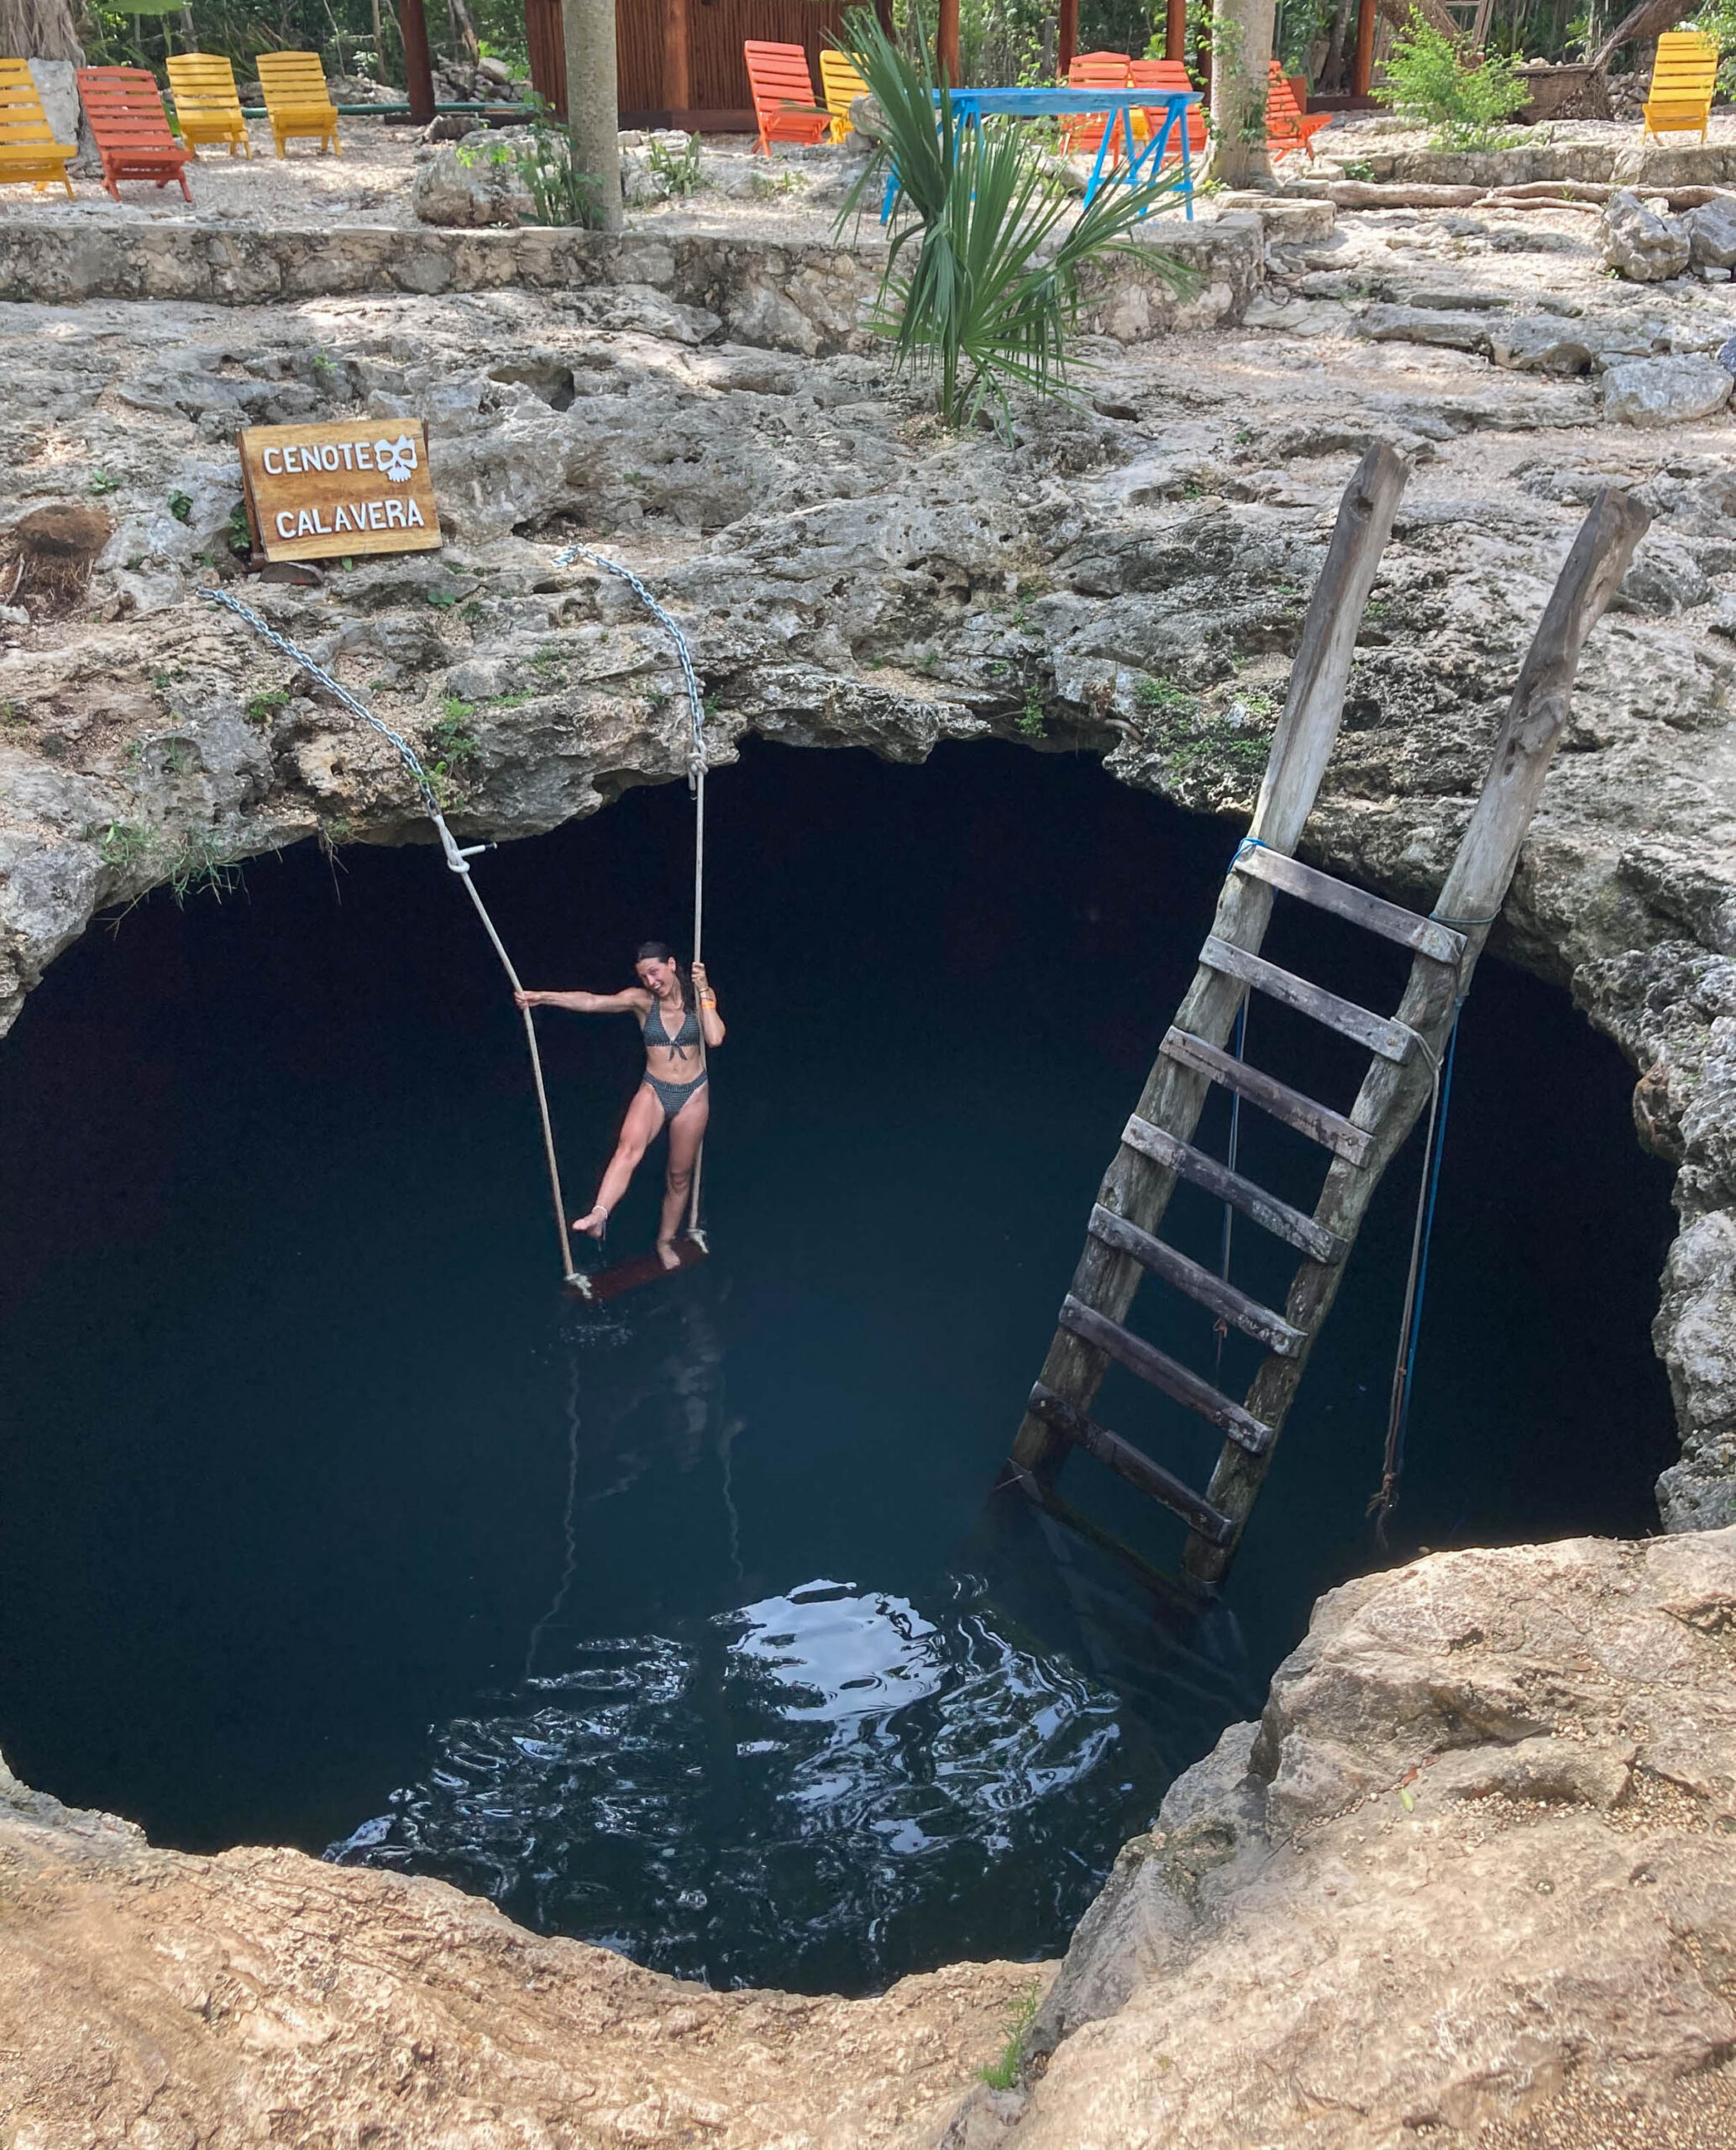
(680, 1623)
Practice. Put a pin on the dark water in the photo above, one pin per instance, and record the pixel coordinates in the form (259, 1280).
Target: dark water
(677, 1623)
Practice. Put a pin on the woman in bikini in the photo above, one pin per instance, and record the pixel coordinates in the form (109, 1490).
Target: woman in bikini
(676, 1009)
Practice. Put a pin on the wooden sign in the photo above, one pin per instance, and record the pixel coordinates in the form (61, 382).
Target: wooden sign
(325, 492)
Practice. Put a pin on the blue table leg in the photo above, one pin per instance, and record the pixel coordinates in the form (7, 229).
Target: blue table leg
(1091, 184)
(1187, 167)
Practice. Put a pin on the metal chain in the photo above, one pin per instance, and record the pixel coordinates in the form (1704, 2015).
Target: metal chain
(456, 857)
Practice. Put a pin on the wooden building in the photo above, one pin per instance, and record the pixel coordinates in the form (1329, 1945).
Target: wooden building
(679, 61)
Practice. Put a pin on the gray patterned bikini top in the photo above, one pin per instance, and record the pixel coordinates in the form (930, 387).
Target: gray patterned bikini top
(676, 1046)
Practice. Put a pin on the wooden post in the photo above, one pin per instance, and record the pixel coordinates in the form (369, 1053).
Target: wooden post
(1067, 36)
(418, 68)
(1392, 1096)
(884, 16)
(946, 44)
(1135, 1188)
(1362, 71)
(1175, 31)
(677, 67)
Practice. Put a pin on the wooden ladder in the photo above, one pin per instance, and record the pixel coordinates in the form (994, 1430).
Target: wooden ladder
(1156, 1149)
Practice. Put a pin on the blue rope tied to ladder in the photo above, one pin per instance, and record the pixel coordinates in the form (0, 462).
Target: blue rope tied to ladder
(1411, 1323)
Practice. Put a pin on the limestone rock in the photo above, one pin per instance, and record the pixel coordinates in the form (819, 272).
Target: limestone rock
(1640, 244)
(1512, 1880)
(1711, 235)
(1670, 392)
(475, 182)
(1412, 324)
(1540, 344)
(1664, 577)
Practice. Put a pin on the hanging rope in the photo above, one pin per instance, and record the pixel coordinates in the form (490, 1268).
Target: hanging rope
(457, 858)
(1416, 1284)
(696, 763)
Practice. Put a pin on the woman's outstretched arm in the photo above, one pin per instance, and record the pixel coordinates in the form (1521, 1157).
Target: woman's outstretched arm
(629, 1003)
(710, 1022)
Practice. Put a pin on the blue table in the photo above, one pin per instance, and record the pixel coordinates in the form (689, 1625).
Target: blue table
(972, 107)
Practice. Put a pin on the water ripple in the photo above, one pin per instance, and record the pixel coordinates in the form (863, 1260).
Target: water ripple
(802, 1792)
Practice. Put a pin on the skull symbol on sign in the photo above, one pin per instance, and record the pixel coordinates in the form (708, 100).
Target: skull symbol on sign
(396, 459)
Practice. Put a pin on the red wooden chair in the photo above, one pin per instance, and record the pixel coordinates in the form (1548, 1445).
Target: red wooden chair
(1169, 75)
(783, 96)
(1082, 131)
(130, 127)
(1287, 126)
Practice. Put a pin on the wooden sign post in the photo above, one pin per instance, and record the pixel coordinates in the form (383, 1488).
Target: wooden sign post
(327, 492)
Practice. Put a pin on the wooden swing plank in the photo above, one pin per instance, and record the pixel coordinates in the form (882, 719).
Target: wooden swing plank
(597, 1285)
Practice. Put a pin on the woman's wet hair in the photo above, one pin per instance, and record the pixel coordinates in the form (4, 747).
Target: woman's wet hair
(660, 952)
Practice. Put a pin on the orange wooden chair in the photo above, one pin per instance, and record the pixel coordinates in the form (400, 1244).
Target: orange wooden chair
(30, 154)
(1287, 126)
(1081, 132)
(130, 127)
(1169, 74)
(783, 96)
(207, 105)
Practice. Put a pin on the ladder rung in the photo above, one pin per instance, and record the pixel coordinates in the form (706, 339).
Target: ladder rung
(1212, 1292)
(1132, 1464)
(1157, 1367)
(1392, 921)
(1329, 1128)
(1275, 1217)
(1391, 1040)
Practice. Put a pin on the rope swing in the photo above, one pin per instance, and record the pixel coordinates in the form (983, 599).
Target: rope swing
(458, 856)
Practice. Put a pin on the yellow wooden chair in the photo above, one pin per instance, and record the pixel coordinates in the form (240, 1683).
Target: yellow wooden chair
(297, 99)
(1683, 76)
(842, 84)
(207, 105)
(30, 154)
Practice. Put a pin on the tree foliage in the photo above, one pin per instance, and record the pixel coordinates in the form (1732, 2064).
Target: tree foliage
(1431, 80)
(981, 287)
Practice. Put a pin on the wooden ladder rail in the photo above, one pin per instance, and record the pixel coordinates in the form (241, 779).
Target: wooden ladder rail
(1137, 1188)
(1393, 1093)
(1131, 1200)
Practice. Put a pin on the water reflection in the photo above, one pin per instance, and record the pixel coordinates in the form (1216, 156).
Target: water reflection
(795, 1790)
(826, 1786)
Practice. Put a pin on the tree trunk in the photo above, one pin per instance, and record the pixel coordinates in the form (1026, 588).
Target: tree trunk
(39, 29)
(946, 44)
(1648, 20)
(466, 28)
(1398, 13)
(593, 102)
(1241, 60)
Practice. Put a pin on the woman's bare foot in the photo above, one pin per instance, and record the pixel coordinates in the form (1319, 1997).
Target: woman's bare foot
(667, 1255)
(594, 1222)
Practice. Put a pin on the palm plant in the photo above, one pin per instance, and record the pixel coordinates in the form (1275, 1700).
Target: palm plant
(991, 300)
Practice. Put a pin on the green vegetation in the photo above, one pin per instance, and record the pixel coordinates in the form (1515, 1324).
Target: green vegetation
(1428, 81)
(1002, 2073)
(443, 600)
(450, 749)
(121, 844)
(1030, 720)
(561, 194)
(198, 865)
(678, 169)
(102, 482)
(180, 506)
(263, 706)
(981, 288)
